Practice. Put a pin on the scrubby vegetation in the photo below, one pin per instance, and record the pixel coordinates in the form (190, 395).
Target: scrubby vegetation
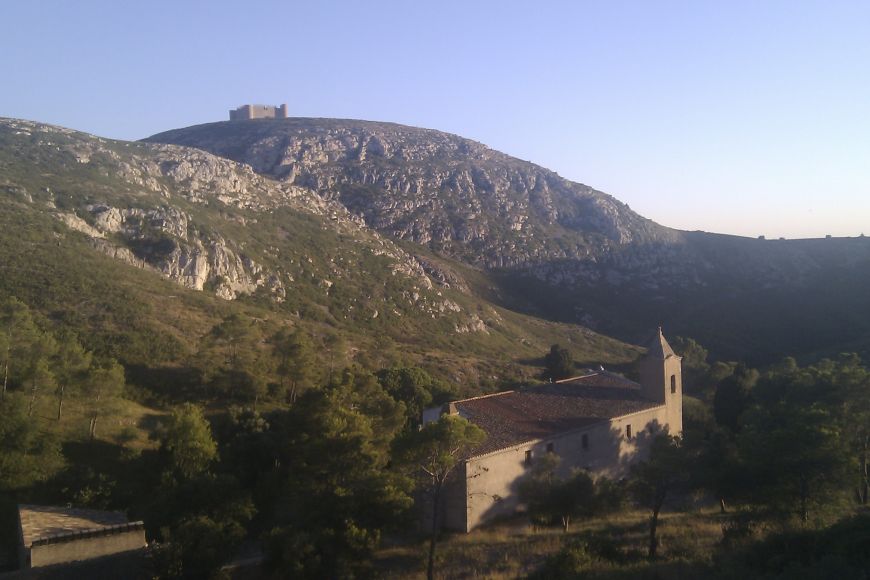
(321, 467)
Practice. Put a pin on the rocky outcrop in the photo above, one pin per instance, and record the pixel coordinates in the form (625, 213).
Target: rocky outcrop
(165, 240)
(443, 275)
(473, 324)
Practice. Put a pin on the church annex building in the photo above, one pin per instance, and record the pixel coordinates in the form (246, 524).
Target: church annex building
(600, 422)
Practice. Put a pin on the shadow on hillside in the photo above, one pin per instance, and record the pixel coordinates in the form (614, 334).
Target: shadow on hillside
(88, 478)
(628, 369)
(534, 362)
(167, 384)
(99, 455)
(676, 570)
(150, 422)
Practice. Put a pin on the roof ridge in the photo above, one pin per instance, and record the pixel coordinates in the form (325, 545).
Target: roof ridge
(590, 374)
(601, 373)
(483, 396)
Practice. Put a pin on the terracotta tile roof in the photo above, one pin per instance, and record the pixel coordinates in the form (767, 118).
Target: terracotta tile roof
(514, 417)
(40, 524)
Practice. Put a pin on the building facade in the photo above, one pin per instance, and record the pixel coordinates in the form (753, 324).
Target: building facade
(599, 422)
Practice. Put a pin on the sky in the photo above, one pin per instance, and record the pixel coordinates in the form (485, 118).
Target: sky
(741, 117)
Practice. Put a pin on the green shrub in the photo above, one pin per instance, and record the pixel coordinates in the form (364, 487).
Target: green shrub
(568, 564)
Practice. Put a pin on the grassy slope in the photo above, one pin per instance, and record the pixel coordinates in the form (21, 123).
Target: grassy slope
(691, 546)
(514, 549)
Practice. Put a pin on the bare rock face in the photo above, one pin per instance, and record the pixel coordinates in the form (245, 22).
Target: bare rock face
(473, 324)
(492, 211)
(443, 276)
(76, 223)
(455, 195)
(164, 240)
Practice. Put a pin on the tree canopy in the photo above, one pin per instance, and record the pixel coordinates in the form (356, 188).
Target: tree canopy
(187, 440)
(431, 456)
(559, 363)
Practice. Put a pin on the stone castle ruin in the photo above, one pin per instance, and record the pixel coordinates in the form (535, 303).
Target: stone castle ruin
(258, 112)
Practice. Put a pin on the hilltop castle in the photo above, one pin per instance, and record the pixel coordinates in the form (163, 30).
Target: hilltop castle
(258, 112)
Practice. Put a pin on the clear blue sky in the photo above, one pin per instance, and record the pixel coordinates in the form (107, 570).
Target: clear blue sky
(745, 117)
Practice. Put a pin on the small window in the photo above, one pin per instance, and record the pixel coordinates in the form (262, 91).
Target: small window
(550, 448)
(673, 384)
(528, 459)
(584, 441)
(628, 431)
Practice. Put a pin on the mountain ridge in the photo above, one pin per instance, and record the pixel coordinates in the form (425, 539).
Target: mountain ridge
(426, 170)
(364, 229)
(560, 249)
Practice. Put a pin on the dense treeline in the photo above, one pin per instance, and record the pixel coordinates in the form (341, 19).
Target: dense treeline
(316, 461)
(783, 451)
(302, 461)
(37, 362)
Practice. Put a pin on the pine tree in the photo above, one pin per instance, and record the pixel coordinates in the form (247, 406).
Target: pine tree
(432, 454)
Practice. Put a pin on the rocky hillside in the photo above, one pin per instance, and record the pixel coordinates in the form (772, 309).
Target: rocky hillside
(417, 237)
(559, 249)
(147, 218)
(86, 222)
(454, 195)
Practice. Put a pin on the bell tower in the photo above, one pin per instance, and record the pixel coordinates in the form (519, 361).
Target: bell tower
(661, 380)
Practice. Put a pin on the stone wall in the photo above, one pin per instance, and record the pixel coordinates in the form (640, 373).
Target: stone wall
(87, 547)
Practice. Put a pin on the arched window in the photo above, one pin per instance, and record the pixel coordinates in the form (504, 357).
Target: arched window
(673, 384)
